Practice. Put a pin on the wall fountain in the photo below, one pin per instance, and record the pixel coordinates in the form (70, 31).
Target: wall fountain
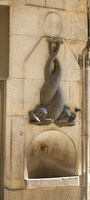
(51, 154)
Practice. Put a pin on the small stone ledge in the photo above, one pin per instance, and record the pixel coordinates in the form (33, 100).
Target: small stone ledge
(52, 182)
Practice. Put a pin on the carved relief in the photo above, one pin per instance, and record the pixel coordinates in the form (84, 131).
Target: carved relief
(53, 25)
(52, 108)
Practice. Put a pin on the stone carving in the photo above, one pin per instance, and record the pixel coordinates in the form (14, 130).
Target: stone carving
(52, 108)
(53, 25)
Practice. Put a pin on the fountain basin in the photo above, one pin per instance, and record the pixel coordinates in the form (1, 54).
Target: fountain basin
(51, 154)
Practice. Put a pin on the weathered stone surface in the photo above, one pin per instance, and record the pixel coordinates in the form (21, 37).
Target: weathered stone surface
(74, 95)
(20, 47)
(76, 48)
(17, 157)
(76, 5)
(79, 155)
(8, 148)
(89, 101)
(6, 194)
(18, 1)
(17, 96)
(36, 2)
(42, 194)
(32, 95)
(60, 4)
(74, 25)
(5, 2)
(74, 134)
(36, 60)
(24, 20)
(69, 65)
(9, 195)
(59, 193)
(70, 5)
(52, 182)
(65, 88)
(14, 184)
(8, 97)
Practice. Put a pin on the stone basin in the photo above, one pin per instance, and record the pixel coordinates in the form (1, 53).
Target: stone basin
(51, 154)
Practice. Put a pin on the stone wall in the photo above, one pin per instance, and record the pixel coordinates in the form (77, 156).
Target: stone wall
(28, 55)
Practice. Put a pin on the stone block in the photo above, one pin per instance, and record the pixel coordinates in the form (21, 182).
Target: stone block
(9, 194)
(16, 195)
(8, 148)
(6, 194)
(53, 193)
(35, 63)
(77, 6)
(35, 2)
(8, 97)
(52, 182)
(17, 157)
(74, 25)
(20, 47)
(79, 155)
(14, 184)
(74, 95)
(32, 94)
(17, 96)
(19, 1)
(69, 65)
(24, 20)
(60, 4)
(80, 98)
(5, 2)
(65, 88)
